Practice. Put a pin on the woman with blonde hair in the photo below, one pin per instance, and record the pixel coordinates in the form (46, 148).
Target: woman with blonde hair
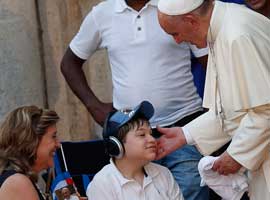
(28, 142)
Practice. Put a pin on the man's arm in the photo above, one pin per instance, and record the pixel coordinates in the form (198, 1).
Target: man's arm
(71, 68)
(250, 144)
(251, 141)
(205, 131)
(226, 165)
(174, 138)
(171, 139)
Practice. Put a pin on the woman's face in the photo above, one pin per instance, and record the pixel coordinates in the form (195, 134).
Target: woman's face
(46, 149)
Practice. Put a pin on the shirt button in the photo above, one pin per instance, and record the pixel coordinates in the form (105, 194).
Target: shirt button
(138, 16)
(139, 28)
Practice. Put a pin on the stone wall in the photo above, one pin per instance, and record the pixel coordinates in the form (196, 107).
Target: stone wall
(21, 78)
(35, 35)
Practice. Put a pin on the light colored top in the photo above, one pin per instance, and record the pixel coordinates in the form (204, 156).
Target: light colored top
(73, 197)
(237, 88)
(230, 187)
(158, 184)
(146, 63)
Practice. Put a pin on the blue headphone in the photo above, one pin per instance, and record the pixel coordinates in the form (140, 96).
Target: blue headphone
(114, 147)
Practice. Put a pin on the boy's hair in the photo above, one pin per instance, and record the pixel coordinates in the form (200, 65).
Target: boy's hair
(134, 124)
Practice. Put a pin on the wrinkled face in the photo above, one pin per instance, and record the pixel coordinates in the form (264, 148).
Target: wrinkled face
(181, 30)
(46, 149)
(140, 145)
(255, 4)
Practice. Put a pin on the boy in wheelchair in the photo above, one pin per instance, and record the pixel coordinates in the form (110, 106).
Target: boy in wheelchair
(130, 174)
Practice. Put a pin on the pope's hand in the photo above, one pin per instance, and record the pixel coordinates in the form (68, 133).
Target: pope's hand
(225, 164)
(170, 140)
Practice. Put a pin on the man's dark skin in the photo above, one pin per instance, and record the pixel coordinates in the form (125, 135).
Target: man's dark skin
(71, 68)
(262, 6)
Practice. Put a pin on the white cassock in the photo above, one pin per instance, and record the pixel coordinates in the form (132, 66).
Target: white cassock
(237, 93)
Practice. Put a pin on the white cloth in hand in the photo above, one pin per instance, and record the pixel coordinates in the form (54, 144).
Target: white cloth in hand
(231, 187)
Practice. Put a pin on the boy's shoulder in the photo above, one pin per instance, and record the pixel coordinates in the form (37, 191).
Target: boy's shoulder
(160, 175)
(103, 181)
(105, 172)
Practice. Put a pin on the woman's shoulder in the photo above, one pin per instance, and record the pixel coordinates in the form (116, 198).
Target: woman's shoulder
(18, 178)
(18, 186)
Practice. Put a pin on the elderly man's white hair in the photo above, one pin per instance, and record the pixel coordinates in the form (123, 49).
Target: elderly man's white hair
(178, 7)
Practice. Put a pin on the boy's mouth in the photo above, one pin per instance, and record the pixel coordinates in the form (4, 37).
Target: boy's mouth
(151, 147)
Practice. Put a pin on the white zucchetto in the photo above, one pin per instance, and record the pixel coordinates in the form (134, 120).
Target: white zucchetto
(178, 7)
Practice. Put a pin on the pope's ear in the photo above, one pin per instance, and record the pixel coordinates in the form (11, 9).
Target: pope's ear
(191, 20)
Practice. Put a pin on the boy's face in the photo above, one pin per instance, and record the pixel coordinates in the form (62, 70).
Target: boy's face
(140, 145)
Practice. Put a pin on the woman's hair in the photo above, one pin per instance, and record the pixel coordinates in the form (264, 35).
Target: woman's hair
(20, 134)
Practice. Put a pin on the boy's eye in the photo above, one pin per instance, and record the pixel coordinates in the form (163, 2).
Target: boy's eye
(141, 133)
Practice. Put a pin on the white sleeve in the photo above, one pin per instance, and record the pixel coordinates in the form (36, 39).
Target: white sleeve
(88, 39)
(188, 137)
(251, 142)
(207, 133)
(198, 52)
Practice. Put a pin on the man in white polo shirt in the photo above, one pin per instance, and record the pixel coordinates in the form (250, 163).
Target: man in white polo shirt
(146, 64)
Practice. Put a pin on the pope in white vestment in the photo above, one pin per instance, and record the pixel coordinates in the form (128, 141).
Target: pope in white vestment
(237, 92)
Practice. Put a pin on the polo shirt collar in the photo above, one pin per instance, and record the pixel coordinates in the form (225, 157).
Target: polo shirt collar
(118, 174)
(150, 171)
(121, 5)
